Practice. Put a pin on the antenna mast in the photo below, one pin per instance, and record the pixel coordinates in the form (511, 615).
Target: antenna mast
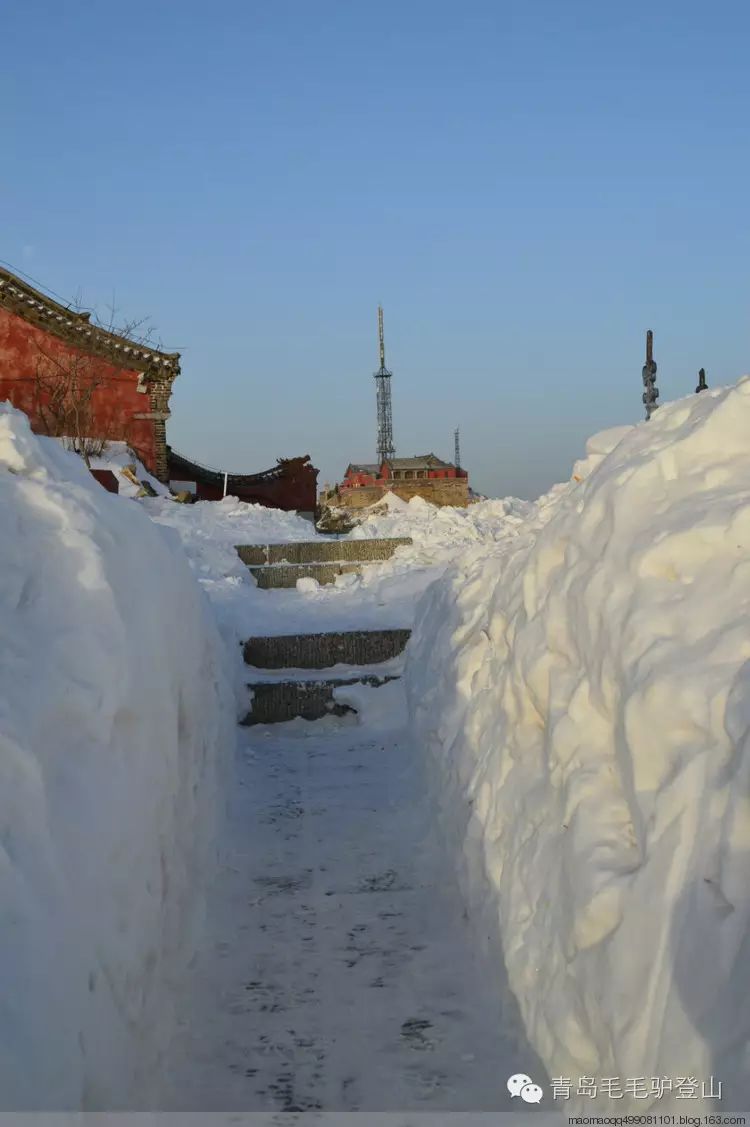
(651, 394)
(386, 448)
(457, 456)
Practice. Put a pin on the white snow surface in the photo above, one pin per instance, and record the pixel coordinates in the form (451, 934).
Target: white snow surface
(116, 716)
(442, 528)
(585, 689)
(579, 669)
(383, 595)
(338, 973)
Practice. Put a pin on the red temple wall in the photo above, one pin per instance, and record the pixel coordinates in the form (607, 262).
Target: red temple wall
(114, 404)
(299, 492)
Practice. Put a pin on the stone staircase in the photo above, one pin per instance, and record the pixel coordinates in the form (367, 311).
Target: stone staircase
(281, 565)
(371, 655)
(297, 674)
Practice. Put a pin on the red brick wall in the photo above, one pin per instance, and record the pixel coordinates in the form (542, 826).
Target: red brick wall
(451, 471)
(114, 404)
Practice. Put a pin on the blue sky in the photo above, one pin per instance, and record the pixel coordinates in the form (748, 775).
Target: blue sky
(526, 187)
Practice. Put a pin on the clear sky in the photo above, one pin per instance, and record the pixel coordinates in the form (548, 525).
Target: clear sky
(525, 186)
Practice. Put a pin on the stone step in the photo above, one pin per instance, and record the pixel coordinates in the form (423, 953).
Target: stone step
(318, 651)
(277, 701)
(270, 576)
(394, 667)
(321, 551)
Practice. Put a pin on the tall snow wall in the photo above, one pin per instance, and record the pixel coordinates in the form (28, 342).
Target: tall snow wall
(585, 691)
(116, 714)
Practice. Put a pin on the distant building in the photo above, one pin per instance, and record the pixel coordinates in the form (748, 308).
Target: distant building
(362, 473)
(424, 475)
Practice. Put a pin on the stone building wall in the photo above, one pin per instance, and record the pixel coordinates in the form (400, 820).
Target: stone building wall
(445, 491)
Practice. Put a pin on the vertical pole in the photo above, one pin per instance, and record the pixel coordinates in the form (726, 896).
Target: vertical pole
(225, 485)
(651, 394)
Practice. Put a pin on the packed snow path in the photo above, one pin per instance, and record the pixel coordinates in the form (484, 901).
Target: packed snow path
(339, 971)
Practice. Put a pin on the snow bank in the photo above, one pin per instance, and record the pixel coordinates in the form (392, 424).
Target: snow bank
(209, 532)
(384, 595)
(379, 708)
(442, 528)
(230, 522)
(440, 535)
(115, 713)
(586, 692)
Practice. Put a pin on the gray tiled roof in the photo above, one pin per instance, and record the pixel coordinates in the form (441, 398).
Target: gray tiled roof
(418, 462)
(76, 328)
(363, 467)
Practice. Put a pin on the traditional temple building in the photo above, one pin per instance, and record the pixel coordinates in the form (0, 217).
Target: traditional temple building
(63, 372)
(424, 475)
(292, 484)
(44, 345)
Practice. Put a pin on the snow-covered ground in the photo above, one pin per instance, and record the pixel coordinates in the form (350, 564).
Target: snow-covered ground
(339, 970)
(442, 530)
(585, 690)
(347, 976)
(116, 718)
(578, 677)
(383, 595)
(115, 722)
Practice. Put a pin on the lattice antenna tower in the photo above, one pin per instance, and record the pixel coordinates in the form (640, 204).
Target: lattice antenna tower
(457, 447)
(386, 449)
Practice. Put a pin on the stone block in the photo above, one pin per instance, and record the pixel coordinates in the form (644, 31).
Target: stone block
(271, 576)
(318, 651)
(277, 701)
(321, 551)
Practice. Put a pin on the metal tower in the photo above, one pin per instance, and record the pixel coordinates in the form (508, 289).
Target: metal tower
(386, 449)
(457, 456)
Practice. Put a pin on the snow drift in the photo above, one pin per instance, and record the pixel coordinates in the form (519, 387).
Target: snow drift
(441, 528)
(115, 714)
(585, 687)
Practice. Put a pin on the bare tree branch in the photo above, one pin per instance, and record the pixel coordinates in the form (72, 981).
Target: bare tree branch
(65, 385)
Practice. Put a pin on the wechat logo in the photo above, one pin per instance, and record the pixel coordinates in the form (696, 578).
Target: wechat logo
(523, 1086)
